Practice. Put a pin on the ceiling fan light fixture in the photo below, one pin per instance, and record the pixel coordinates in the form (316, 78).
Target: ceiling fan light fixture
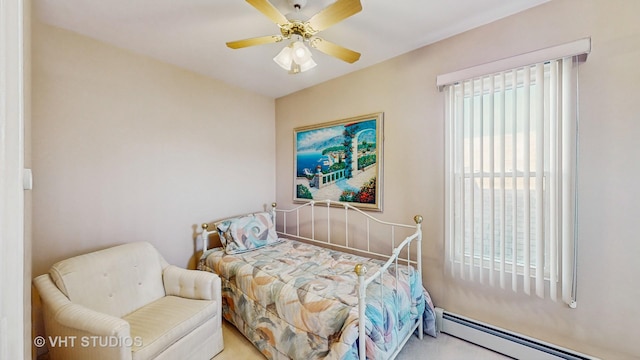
(301, 53)
(284, 58)
(295, 58)
(295, 69)
(309, 64)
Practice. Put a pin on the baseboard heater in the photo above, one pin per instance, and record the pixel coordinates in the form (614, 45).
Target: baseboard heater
(502, 341)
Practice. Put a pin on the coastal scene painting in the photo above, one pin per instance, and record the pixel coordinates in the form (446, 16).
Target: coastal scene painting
(340, 160)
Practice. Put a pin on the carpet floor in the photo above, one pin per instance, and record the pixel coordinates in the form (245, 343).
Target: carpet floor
(237, 347)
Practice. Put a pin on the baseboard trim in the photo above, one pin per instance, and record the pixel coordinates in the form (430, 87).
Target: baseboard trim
(502, 341)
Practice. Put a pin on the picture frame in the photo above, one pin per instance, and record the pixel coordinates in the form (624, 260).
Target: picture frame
(340, 160)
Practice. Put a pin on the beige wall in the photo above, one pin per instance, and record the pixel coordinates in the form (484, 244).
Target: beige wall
(605, 322)
(126, 148)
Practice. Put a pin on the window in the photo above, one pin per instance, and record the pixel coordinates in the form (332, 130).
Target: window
(511, 160)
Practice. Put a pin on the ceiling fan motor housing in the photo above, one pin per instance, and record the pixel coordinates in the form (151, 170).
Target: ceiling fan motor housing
(298, 4)
(295, 27)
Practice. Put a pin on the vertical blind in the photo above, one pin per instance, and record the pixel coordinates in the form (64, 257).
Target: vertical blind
(511, 160)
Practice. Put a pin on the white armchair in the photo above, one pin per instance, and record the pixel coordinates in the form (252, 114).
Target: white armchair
(127, 302)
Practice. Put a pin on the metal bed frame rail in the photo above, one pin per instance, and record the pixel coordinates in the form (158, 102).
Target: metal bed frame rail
(360, 269)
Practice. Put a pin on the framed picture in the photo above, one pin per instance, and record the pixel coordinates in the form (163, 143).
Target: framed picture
(340, 160)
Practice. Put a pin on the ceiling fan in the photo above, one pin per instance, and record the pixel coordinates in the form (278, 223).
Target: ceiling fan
(296, 57)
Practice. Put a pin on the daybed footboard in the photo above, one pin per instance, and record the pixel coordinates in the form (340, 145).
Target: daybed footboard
(360, 269)
(266, 279)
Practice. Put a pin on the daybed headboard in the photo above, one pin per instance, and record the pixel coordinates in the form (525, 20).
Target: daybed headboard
(341, 226)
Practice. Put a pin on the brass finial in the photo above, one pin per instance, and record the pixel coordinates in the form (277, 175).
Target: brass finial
(360, 269)
(273, 205)
(205, 226)
(418, 219)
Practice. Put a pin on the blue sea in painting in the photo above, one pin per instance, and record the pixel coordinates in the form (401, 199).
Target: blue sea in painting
(310, 160)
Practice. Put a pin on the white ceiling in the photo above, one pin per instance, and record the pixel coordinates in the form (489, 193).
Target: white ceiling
(192, 33)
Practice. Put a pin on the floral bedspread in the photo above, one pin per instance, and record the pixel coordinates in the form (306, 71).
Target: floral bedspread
(299, 301)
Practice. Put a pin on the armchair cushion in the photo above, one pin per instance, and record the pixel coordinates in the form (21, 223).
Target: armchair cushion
(179, 317)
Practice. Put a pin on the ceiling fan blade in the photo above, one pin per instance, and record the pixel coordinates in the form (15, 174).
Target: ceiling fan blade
(334, 13)
(254, 41)
(334, 50)
(269, 11)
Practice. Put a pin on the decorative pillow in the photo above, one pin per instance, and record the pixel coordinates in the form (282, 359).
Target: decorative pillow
(247, 233)
(223, 232)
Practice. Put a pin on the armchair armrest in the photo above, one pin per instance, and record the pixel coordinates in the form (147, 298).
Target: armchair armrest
(80, 327)
(81, 318)
(192, 284)
(75, 316)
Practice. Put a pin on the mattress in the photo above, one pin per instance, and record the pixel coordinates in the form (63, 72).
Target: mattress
(295, 300)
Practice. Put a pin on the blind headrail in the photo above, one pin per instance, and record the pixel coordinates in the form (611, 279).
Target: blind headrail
(579, 48)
